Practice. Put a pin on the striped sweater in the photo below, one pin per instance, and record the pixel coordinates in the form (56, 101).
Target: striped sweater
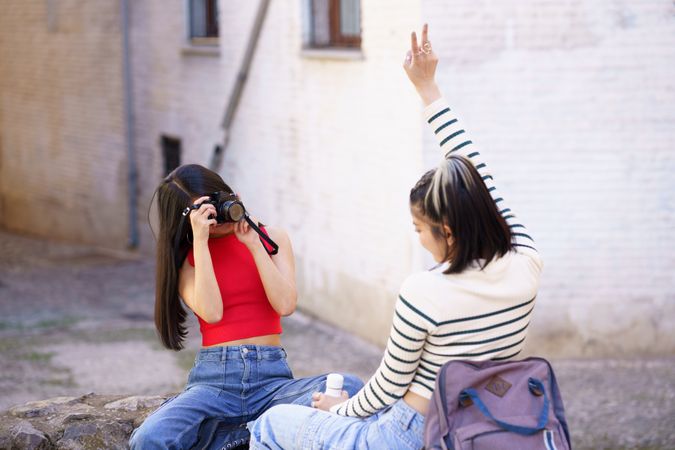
(477, 314)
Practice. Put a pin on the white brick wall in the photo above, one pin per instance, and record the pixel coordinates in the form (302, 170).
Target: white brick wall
(328, 149)
(565, 97)
(574, 103)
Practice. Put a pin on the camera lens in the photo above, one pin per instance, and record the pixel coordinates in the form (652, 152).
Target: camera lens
(233, 211)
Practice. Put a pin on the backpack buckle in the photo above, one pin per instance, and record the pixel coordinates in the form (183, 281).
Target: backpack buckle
(535, 387)
(465, 400)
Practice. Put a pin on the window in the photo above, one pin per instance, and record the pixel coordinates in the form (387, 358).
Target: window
(335, 23)
(203, 20)
(171, 147)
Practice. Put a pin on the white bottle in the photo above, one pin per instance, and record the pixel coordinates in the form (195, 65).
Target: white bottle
(334, 383)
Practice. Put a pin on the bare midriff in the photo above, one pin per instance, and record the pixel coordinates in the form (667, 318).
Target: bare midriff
(417, 402)
(270, 339)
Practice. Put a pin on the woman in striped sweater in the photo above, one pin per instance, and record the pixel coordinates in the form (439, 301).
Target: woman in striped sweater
(475, 305)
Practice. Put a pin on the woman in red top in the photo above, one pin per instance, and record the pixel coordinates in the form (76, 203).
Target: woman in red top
(223, 272)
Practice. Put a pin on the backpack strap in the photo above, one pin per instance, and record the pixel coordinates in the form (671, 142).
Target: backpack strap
(271, 247)
(558, 408)
(536, 387)
(446, 443)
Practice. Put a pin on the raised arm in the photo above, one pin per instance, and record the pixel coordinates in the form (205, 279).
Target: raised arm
(197, 285)
(420, 66)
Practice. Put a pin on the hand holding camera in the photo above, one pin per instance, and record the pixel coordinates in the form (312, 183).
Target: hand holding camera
(202, 218)
(221, 207)
(227, 206)
(246, 235)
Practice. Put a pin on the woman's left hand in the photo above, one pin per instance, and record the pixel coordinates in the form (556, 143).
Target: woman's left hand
(325, 402)
(246, 234)
(420, 66)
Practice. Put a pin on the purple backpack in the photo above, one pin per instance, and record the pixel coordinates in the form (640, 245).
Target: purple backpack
(496, 405)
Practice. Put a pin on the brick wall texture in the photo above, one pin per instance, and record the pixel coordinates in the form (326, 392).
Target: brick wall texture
(62, 154)
(571, 102)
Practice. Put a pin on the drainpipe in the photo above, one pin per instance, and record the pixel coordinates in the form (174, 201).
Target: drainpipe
(240, 83)
(132, 175)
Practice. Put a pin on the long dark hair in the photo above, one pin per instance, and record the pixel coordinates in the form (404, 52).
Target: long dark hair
(455, 195)
(174, 194)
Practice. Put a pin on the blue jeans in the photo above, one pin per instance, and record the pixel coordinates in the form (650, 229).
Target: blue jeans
(299, 427)
(227, 387)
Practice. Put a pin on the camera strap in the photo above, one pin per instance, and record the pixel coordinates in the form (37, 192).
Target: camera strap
(266, 241)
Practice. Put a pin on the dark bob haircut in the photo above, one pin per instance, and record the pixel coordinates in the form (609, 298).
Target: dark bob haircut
(455, 195)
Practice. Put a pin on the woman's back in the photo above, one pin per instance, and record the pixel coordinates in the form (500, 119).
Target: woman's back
(476, 314)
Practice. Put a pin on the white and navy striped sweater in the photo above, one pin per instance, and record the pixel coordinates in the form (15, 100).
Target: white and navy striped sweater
(476, 314)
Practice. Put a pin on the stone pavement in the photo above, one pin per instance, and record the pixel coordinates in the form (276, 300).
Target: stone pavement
(75, 320)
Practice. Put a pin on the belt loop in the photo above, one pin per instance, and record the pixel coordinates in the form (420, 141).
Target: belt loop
(223, 354)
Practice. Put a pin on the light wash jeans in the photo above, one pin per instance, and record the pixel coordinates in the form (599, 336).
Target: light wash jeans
(299, 427)
(227, 387)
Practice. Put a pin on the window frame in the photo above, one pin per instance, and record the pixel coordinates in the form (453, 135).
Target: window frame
(337, 40)
(211, 26)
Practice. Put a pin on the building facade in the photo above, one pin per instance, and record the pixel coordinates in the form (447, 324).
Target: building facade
(572, 104)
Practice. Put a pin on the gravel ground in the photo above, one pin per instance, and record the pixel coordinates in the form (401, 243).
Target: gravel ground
(75, 319)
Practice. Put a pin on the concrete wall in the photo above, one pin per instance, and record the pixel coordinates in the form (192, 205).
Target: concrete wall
(62, 154)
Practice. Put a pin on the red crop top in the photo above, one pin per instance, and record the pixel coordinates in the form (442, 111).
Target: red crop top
(246, 310)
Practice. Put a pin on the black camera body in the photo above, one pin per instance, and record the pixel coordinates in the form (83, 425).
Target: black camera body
(228, 209)
(228, 206)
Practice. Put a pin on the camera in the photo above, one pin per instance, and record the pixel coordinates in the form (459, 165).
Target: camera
(228, 209)
(228, 206)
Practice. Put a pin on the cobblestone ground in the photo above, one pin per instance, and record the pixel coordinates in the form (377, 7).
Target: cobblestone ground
(75, 319)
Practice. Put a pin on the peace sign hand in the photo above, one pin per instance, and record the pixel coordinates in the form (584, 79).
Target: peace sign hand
(420, 66)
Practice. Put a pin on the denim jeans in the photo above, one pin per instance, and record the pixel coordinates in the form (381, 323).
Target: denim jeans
(227, 387)
(299, 427)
